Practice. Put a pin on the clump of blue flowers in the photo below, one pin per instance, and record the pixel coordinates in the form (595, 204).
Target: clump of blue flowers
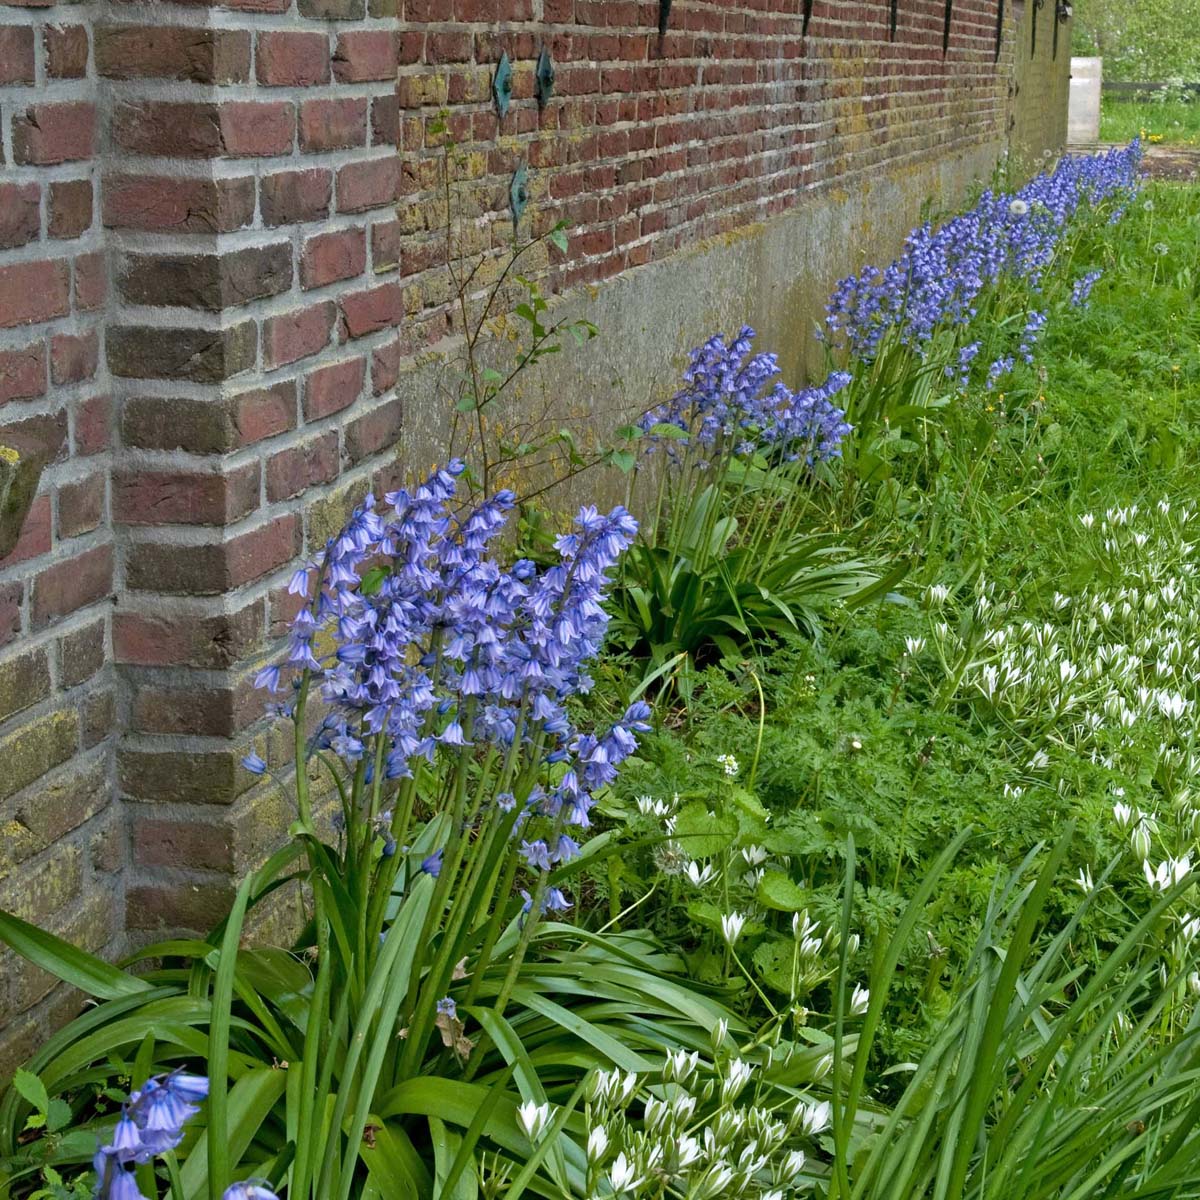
(428, 653)
(733, 397)
(151, 1124)
(940, 277)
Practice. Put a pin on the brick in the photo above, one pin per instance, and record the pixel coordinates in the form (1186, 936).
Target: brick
(374, 183)
(263, 412)
(66, 51)
(369, 312)
(91, 425)
(294, 470)
(291, 58)
(74, 357)
(23, 373)
(179, 638)
(196, 709)
(162, 204)
(62, 804)
(72, 584)
(332, 10)
(197, 55)
(297, 334)
(35, 536)
(70, 208)
(166, 843)
(197, 355)
(328, 390)
(20, 213)
(81, 654)
(33, 292)
(99, 718)
(183, 777)
(35, 749)
(45, 435)
(16, 54)
(330, 257)
(385, 246)
(91, 281)
(364, 55)
(178, 497)
(24, 682)
(385, 120)
(333, 124)
(385, 367)
(215, 282)
(200, 426)
(80, 506)
(214, 567)
(290, 197)
(374, 431)
(159, 908)
(204, 129)
(54, 133)
(11, 596)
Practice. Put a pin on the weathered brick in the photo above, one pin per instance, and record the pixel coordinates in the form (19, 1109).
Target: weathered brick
(195, 709)
(169, 639)
(294, 470)
(70, 208)
(365, 54)
(61, 804)
(160, 203)
(385, 367)
(91, 281)
(91, 425)
(198, 55)
(11, 597)
(333, 124)
(370, 311)
(66, 51)
(204, 129)
(35, 291)
(297, 334)
(374, 431)
(216, 567)
(203, 845)
(331, 388)
(54, 133)
(177, 497)
(330, 257)
(332, 10)
(72, 584)
(172, 906)
(74, 357)
(264, 412)
(207, 281)
(16, 54)
(198, 355)
(180, 776)
(35, 536)
(20, 213)
(81, 506)
(81, 654)
(35, 749)
(24, 681)
(292, 58)
(385, 246)
(373, 183)
(289, 197)
(23, 372)
(99, 717)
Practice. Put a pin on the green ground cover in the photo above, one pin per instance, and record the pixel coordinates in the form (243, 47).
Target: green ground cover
(1169, 122)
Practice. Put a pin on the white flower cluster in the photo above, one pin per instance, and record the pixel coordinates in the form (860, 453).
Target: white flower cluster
(699, 1129)
(1111, 673)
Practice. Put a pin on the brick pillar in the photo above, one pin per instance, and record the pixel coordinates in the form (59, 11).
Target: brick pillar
(248, 194)
(59, 845)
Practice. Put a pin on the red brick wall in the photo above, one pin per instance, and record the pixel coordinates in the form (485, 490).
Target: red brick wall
(214, 266)
(59, 847)
(649, 146)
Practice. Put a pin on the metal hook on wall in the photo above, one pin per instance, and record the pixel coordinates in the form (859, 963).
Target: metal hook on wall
(946, 27)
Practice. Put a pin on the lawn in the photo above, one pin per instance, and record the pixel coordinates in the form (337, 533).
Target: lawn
(822, 825)
(1170, 122)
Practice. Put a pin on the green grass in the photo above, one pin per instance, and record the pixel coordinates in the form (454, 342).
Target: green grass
(1169, 122)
